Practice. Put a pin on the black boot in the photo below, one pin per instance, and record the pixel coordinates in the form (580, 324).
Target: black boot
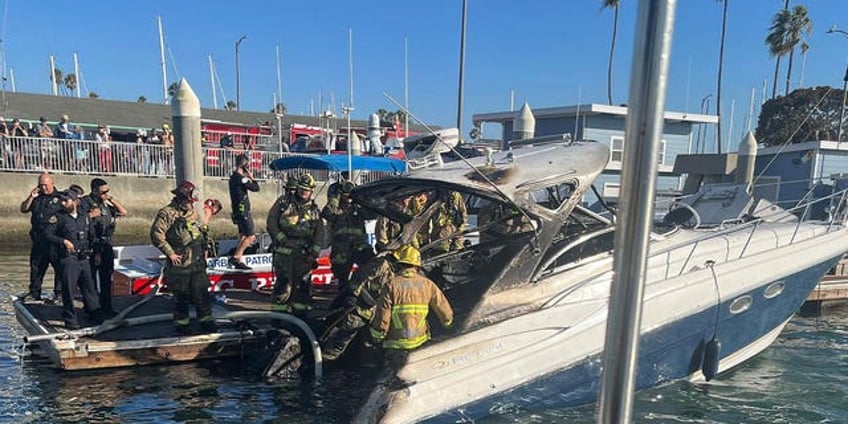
(209, 326)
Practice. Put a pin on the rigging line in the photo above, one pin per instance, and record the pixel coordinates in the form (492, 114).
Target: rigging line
(789, 139)
(467, 162)
(174, 63)
(218, 81)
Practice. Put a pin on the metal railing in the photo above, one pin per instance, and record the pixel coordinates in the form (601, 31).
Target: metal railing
(58, 156)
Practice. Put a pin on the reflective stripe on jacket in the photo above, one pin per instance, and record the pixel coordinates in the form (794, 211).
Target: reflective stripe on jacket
(401, 316)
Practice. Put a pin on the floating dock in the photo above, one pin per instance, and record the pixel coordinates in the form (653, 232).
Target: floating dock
(147, 334)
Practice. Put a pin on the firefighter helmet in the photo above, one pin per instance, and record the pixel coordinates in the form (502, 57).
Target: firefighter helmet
(306, 182)
(407, 254)
(291, 182)
(185, 190)
(346, 187)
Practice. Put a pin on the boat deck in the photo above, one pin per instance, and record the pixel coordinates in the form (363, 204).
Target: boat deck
(146, 335)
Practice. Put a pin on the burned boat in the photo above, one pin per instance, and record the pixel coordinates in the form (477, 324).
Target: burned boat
(531, 287)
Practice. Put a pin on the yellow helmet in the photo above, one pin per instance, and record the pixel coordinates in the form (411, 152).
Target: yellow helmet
(407, 254)
(306, 182)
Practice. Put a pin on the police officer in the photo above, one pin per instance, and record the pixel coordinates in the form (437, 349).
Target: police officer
(70, 231)
(103, 210)
(180, 234)
(359, 302)
(241, 182)
(347, 234)
(42, 203)
(400, 320)
(297, 234)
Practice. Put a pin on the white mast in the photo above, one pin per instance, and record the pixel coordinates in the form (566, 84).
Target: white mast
(53, 84)
(511, 99)
(347, 110)
(279, 97)
(730, 126)
(162, 60)
(212, 78)
(77, 73)
(750, 118)
(12, 77)
(405, 88)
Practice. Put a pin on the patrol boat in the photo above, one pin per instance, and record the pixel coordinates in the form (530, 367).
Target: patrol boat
(531, 287)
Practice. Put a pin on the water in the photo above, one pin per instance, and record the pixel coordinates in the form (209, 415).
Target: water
(802, 378)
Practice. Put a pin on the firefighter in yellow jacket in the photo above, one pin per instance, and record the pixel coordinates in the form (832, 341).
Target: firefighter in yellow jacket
(180, 234)
(297, 234)
(346, 223)
(400, 320)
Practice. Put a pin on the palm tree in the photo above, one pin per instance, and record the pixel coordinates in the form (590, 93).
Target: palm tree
(279, 108)
(800, 25)
(70, 82)
(720, 71)
(231, 105)
(172, 89)
(142, 99)
(774, 40)
(57, 77)
(804, 48)
(614, 5)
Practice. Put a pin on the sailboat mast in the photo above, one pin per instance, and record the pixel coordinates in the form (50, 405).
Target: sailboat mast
(349, 109)
(53, 84)
(461, 70)
(12, 77)
(405, 87)
(212, 78)
(162, 61)
(279, 82)
(643, 131)
(77, 73)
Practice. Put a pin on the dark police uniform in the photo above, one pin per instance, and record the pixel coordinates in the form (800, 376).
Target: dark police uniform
(239, 187)
(43, 252)
(75, 267)
(103, 229)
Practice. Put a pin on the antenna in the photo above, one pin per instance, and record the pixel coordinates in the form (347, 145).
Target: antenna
(162, 61)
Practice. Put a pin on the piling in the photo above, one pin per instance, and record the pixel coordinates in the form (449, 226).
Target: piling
(188, 151)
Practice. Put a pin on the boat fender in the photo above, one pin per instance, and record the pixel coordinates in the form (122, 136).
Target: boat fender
(711, 358)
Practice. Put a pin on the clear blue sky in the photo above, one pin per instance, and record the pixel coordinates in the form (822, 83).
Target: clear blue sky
(551, 52)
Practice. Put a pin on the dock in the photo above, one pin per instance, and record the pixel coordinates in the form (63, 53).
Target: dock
(146, 335)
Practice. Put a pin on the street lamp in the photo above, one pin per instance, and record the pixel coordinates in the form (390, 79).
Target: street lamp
(238, 73)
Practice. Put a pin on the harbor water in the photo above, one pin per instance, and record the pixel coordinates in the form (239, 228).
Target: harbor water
(802, 378)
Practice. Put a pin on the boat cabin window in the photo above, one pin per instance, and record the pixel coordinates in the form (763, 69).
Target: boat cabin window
(581, 236)
(552, 197)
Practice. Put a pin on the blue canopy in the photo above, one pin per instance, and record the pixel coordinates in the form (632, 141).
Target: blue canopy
(339, 163)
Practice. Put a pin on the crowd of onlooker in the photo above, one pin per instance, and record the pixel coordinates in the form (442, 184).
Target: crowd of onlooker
(44, 146)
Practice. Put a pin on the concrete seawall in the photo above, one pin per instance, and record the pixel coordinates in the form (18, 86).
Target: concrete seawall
(142, 197)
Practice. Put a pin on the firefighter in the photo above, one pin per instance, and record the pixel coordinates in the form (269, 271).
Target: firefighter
(449, 219)
(346, 221)
(70, 231)
(359, 302)
(180, 234)
(297, 234)
(334, 190)
(400, 320)
(497, 220)
(387, 230)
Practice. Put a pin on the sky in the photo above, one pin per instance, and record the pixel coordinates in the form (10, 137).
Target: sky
(547, 52)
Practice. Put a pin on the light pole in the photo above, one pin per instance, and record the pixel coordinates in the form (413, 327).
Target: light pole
(835, 30)
(238, 73)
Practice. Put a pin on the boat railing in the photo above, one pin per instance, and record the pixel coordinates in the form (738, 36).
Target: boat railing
(837, 216)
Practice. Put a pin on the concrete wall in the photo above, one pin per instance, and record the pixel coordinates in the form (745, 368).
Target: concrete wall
(141, 196)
